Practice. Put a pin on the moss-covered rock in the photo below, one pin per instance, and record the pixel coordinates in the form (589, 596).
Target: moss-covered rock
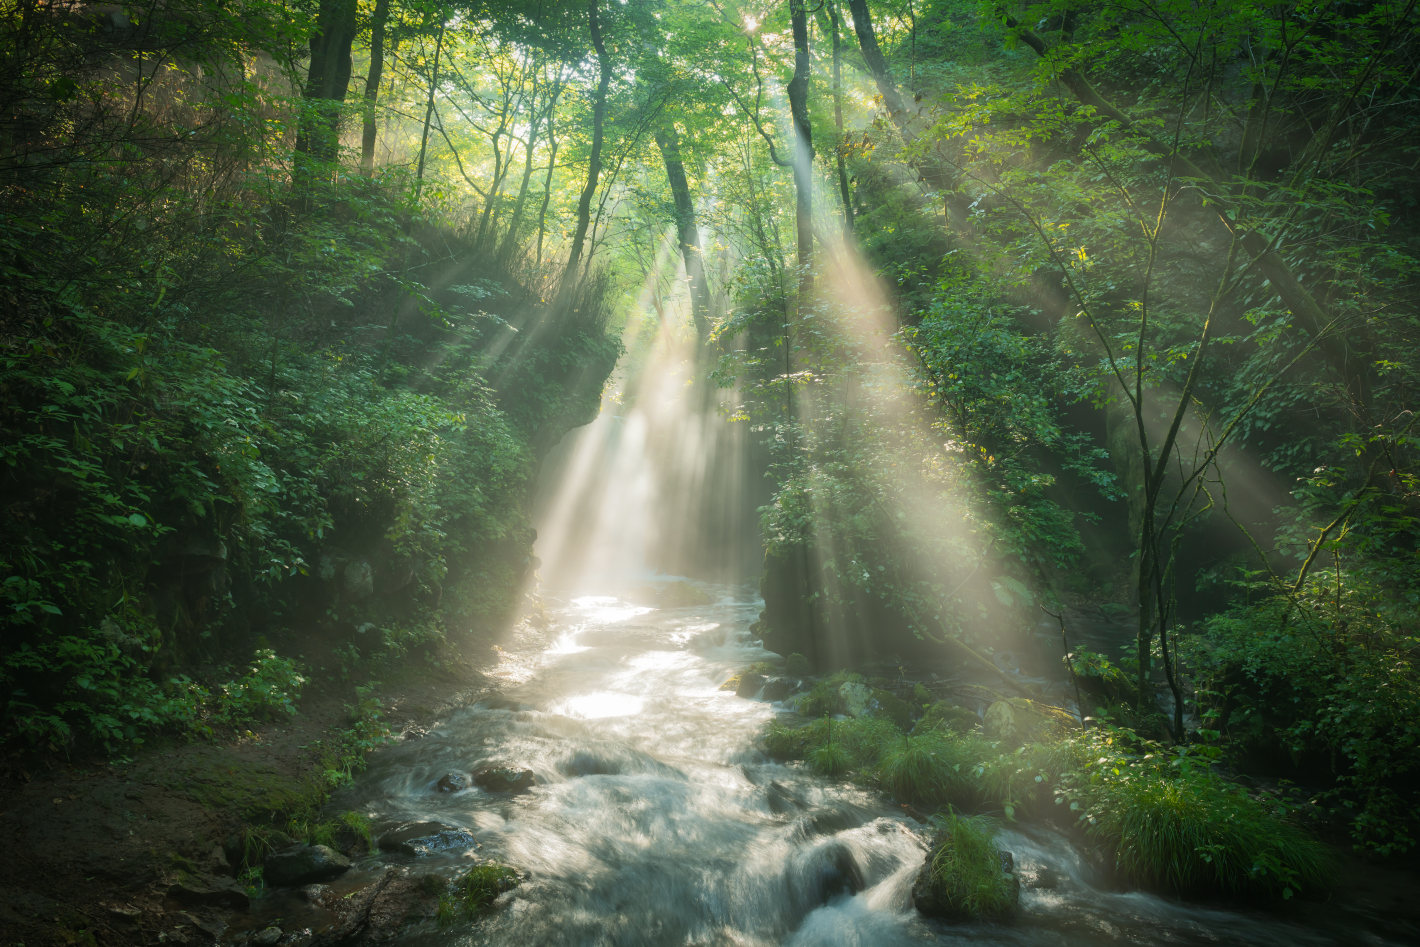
(965, 876)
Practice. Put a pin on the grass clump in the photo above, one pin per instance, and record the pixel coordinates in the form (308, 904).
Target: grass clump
(967, 876)
(833, 747)
(473, 894)
(1170, 823)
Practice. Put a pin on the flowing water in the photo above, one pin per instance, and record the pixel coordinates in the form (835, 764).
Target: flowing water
(655, 821)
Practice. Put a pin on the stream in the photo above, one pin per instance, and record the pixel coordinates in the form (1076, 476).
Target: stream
(655, 821)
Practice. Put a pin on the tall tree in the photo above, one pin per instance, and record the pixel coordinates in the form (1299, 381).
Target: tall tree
(668, 142)
(327, 80)
(840, 141)
(803, 155)
(378, 21)
(594, 160)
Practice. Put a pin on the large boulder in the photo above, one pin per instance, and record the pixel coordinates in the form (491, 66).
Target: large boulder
(857, 698)
(303, 864)
(505, 779)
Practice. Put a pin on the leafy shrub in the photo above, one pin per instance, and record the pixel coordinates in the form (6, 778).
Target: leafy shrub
(268, 689)
(1324, 682)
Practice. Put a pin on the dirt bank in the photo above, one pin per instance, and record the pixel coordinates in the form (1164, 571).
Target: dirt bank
(132, 852)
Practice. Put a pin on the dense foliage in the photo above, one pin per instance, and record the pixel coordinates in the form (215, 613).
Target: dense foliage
(240, 417)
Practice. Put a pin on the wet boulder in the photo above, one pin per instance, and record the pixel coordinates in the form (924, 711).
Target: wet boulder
(857, 698)
(418, 839)
(304, 864)
(210, 892)
(749, 684)
(505, 779)
(778, 688)
(452, 782)
(589, 763)
(820, 874)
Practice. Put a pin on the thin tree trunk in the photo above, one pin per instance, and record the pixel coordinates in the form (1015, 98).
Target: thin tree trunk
(843, 189)
(546, 186)
(505, 250)
(594, 160)
(428, 116)
(1283, 279)
(372, 85)
(686, 230)
(803, 145)
(904, 117)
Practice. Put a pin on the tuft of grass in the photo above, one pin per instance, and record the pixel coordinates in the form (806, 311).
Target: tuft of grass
(473, 894)
(940, 768)
(967, 876)
(358, 824)
(832, 747)
(916, 769)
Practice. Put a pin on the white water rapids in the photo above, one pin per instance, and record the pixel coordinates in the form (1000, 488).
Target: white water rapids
(656, 821)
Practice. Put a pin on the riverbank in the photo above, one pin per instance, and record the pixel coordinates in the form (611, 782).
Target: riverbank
(140, 851)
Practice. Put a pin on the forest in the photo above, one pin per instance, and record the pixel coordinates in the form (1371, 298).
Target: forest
(1044, 372)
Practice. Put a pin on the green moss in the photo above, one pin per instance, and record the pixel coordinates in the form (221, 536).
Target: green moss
(944, 715)
(894, 708)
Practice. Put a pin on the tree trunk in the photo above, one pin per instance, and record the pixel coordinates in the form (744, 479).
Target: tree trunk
(372, 85)
(318, 133)
(546, 186)
(843, 190)
(803, 145)
(904, 117)
(428, 116)
(505, 249)
(687, 231)
(594, 160)
(877, 65)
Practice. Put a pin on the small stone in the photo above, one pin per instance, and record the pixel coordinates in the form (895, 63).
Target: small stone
(269, 937)
(452, 782)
